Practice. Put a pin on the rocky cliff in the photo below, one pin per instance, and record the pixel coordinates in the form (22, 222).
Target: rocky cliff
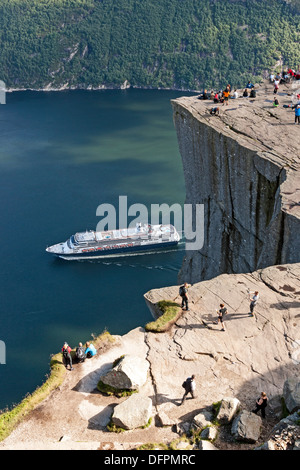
(243, 165)
(254, 354)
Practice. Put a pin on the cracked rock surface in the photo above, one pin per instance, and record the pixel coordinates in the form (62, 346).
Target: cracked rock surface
(254, 354)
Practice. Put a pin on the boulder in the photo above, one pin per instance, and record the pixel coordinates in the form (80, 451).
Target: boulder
(164, 419)
(133, 413)
(130, 373)
(246, 427)
(206, 445)
(228, 409)
(210, 433)
(202, 420)
(291, 393)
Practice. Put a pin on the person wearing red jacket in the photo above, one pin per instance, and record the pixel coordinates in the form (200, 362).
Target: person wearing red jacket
(67, 358)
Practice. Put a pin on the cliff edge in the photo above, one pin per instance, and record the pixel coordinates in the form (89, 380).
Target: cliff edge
(253, 354)
(243, 165)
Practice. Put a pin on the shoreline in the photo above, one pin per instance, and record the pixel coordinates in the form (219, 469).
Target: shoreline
(99, 88)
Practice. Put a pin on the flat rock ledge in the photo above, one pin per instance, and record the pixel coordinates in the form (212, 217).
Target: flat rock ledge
(254, 354)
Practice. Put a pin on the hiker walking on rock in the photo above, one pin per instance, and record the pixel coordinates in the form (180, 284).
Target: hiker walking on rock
(183, 292)
(261, 405)
(190, 386)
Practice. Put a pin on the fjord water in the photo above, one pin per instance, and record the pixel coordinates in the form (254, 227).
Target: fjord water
(63, 154)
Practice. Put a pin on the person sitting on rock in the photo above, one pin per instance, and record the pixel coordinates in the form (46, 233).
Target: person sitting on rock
(90, 350)
(80, 353)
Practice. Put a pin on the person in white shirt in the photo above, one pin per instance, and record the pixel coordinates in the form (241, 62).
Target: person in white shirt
(253, 300)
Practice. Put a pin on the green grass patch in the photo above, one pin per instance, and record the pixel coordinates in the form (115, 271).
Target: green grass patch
(171, 311)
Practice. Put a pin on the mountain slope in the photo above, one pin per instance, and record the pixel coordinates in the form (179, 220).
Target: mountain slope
(186, 44)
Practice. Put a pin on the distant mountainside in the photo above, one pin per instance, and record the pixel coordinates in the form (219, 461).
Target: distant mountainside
(183, 44)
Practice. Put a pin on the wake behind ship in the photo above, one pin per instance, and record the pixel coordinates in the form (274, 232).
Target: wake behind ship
(141, 239)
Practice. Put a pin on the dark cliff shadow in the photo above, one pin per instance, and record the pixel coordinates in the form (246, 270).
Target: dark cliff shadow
(191, 414)
(102, 419)
(286, 305)
(88, 384)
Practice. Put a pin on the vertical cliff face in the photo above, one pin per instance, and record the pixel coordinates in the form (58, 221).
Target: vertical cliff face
(242, 165)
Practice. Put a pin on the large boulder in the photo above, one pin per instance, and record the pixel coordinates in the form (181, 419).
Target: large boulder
(202, 420)
(129, 373)
(291, 393)
(228, 409)
(133, 413)
(246, 427)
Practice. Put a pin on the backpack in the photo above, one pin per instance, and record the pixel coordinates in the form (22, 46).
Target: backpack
(182, 291)
(187, 384)
(80, 354)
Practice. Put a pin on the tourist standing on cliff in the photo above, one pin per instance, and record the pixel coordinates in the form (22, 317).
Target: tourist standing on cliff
(183, 292)
(221, 313)
(297, 114)
(190, 386)
(66, 353)
(253, 300)
(276, 86)
(261, 405)
(226, 94)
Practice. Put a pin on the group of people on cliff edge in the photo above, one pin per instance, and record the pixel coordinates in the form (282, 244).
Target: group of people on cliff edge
(81, 354)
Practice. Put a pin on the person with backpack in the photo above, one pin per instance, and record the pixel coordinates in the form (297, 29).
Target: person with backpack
(190, 386)
(80, 353)
(66, 354)
(183, 292)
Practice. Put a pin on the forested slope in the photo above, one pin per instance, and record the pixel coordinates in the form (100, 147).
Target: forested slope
(186, 44)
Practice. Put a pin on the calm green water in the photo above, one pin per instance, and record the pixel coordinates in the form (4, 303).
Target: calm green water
(61, 155)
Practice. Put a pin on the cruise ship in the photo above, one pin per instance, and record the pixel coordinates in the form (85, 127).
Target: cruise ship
(143, 238)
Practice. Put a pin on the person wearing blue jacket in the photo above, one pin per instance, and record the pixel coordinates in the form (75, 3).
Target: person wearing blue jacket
(90, 350)
(297, 113)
